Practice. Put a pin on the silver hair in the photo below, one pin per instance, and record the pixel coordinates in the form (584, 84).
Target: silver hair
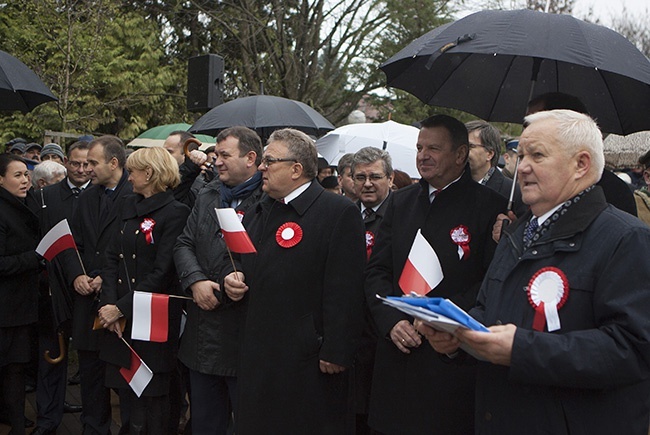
(47, 170)
(369, 155)
(576, 132)
(301, 147)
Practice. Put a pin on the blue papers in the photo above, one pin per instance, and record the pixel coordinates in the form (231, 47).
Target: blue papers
(441, 314)
(443, 307)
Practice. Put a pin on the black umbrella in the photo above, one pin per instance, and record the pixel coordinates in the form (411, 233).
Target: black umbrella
(264, 114)
(20, 87)
(491, 63)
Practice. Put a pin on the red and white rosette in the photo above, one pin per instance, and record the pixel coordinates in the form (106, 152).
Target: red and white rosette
(548, 291)
(370, 242)
(461, 236)
(288, 235)
(147, 229)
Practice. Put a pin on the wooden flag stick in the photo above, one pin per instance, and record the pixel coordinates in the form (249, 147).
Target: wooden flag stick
(232, 261)
(81, 262)
(181, 297)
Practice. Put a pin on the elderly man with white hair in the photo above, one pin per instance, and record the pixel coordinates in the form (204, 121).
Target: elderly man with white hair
(47, 173)
(567, 295)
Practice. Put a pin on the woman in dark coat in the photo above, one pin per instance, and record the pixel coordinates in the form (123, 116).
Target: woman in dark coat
(19, 271)
(140, 259)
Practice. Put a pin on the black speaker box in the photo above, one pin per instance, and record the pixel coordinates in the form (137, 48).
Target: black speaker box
(204, 82)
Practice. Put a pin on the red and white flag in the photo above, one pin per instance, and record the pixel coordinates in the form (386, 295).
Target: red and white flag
(234, 233)
(58, 239)
(138, 375)
(422, 271)
(150, 317)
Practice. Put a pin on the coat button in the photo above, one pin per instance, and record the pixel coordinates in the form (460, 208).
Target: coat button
(133, 280)
(133, 256)
(488, 416)
(97, 253)
(121, 255)
(534, 252)
(119, 280)
(137, 231)
(572, 244)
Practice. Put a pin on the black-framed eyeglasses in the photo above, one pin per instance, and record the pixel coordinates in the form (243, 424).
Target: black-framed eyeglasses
(268, 161)
(361, 178)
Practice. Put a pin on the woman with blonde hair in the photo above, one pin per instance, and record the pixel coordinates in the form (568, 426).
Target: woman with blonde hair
(140, 259)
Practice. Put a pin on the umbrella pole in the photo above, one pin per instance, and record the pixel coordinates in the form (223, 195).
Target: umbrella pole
(506, 222)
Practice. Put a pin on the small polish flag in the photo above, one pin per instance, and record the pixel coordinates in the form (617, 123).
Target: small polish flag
(58, 239)
(422, 271)
(234, 233)
(138, 375)
(150, 317)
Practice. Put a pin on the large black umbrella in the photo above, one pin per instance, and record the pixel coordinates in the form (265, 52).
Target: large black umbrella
(490, 63)
(20, 87)
(264, 114)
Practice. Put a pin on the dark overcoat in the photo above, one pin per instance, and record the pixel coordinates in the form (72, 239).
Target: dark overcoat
(422, 392)
(93, 232)
(19, 264)
(305, 305)
(591, 375)
(133, 264)
(58, 203)
(210, 343)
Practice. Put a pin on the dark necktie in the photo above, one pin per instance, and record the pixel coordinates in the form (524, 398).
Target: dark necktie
(433, 194)
(76, 191)
(367, 213)
(530, 231)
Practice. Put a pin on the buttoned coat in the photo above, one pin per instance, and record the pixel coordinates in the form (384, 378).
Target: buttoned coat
(210, 343)
(93, 236)
(422, 392)
(135, 264)
(304, 305)
(19, 264)
(591, 375)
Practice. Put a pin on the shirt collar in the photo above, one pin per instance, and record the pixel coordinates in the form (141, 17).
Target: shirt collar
(548, 214)
(296, 192)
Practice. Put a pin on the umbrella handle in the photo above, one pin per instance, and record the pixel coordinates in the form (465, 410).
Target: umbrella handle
(58, 359)
(188, 143)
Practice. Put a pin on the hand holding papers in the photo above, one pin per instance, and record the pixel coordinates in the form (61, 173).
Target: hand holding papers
(441, 314)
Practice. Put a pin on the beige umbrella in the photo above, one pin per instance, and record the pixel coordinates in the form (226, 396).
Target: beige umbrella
(624, 151)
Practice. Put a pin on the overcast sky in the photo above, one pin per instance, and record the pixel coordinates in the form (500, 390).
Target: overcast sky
(606, 9)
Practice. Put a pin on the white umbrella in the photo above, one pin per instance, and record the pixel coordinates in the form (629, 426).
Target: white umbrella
(398, 139)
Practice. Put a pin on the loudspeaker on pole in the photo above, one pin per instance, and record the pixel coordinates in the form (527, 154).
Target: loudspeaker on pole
(204, 82)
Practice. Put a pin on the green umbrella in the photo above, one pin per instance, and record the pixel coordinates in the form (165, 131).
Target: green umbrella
(155, 137)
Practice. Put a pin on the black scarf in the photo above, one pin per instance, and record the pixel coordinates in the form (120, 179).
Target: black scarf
(244, 190)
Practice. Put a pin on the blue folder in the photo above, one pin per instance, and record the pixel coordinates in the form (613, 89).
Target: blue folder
(444, 307)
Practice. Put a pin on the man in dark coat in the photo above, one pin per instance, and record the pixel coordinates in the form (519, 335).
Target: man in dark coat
(94, 225)
(484, 151)
(210, 343)
(371, 170)
(414, 391)
(568, 293)
(59, 202)
(305, 304)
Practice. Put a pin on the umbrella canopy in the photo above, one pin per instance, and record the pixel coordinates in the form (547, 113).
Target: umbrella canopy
(490, 63)
(155, 137)
(624, 151)
(264, 114)
(398, 139)
(20, 88)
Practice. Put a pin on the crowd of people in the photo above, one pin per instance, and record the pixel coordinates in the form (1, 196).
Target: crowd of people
(293, 339)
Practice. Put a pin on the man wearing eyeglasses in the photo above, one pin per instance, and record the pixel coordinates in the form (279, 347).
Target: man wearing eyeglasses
(415, 390)
(305, 298)
(210, 344)
(372, 172)
(59, 202)
(484, 151)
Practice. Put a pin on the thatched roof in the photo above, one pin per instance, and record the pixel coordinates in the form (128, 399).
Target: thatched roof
(624, 151)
